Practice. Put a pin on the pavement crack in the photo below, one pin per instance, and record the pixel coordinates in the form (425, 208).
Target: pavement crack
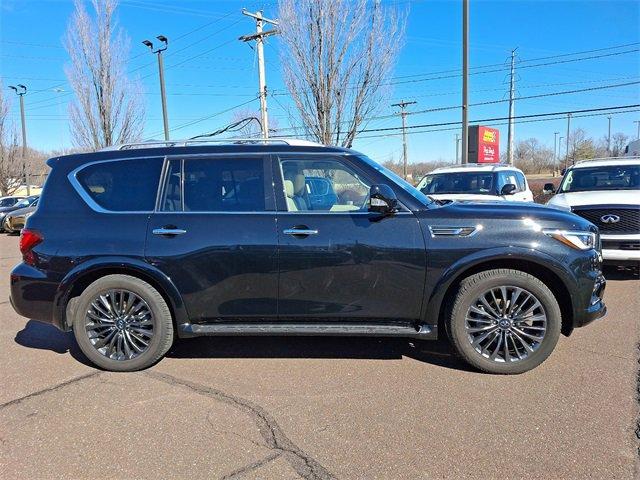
(252, 466)
(305, 466)
(17, 401)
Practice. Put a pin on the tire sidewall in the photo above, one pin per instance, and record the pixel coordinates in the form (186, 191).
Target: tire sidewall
(468, 295)
(157, 306)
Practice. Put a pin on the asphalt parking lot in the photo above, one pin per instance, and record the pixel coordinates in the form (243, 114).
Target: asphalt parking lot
(318, 407)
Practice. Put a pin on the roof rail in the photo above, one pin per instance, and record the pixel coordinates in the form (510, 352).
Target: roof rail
(237, 141)
(475, 165)
(599, 159)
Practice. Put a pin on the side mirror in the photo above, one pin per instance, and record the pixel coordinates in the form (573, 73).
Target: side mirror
(548, 189)
(508, 189)
(382, 199)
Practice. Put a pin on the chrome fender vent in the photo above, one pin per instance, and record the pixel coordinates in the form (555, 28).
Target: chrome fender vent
(454, 231)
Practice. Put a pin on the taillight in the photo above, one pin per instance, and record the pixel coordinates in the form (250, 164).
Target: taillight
(28, 240)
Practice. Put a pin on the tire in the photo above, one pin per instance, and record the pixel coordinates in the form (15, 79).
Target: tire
(468, 320)
(132, 310)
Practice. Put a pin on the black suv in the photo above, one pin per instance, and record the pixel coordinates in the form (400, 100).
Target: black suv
(132, 247)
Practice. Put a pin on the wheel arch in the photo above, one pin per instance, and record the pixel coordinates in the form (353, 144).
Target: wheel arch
(547, 270)
(76, 281)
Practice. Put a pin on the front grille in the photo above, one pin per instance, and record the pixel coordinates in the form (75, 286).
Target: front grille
(628, 218)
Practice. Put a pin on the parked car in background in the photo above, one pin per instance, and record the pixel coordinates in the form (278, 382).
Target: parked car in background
(286, 237)
(14, 221)
(477, 182)
(9, 201)
(607, 193)
(633, 149)
(24, 202)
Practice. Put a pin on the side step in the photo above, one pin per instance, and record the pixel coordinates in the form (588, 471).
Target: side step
(306, 329)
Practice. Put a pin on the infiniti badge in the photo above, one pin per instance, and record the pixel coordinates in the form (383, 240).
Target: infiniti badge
(610, 218)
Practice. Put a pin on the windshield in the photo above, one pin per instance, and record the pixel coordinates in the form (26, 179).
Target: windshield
(398, 180)
(458, 182)
(23, 203)
(614, 177)
(7, 202)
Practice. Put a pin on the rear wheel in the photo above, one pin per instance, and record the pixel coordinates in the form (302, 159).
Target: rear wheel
(122, 323)
(504, 321)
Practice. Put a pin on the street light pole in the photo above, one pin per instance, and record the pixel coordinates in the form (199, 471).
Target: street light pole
(21, 91)
(566, 158)
(465, 80)
(609, 137)
(163, 95)
(637, 122)
(555, 148)
(457, 148)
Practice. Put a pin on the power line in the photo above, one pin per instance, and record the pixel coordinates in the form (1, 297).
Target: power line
(493, 102)
(495, 124)
(493, 119)
(202, 119)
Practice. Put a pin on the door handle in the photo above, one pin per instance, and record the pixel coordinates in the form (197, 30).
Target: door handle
(168, 231)
(300, 231)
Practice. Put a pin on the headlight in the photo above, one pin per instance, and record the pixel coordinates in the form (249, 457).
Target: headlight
(577, 240)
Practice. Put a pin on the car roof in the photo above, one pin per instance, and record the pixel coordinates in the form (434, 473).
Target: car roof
(606, 162)
(199, 147)
(475, 167)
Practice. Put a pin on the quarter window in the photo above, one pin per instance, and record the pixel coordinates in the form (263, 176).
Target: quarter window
(122, 185)
(324, 185)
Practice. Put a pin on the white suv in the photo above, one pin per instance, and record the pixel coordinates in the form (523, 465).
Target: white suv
(607, 193)
(477, 182)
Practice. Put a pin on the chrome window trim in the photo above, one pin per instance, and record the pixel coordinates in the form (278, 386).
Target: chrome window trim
(91, 203)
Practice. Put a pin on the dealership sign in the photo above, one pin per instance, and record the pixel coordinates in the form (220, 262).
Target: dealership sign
(484, 144)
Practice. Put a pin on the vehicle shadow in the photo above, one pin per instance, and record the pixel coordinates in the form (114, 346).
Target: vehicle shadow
(611, 272)
(43, 336)
(437, 352)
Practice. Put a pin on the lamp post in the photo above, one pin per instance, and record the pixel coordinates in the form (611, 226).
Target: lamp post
(158, 51)
(21, 91)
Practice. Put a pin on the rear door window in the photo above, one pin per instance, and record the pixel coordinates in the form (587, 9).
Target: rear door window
(215, 185)
(122, 185)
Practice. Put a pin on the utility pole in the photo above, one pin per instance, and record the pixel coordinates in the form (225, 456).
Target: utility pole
(638, 123)
(259, 39)
(165, 44)
(21, 91)
(512, 90)
(566, 158)
(402, 105)
(465, 81)
(457, 148)
(609, 137)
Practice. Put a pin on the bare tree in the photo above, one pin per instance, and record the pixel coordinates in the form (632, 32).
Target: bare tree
(107, 109)
(619, 142)
(337, 58)
(531, 156)
(10, 156)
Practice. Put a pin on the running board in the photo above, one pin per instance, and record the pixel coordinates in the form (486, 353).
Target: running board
(306, 329)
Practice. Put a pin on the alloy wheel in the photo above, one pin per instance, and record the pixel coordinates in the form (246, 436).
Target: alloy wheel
(119, 324)
(506, 324)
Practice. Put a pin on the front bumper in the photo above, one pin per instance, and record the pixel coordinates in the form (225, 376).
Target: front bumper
(596, 309)
(620, 248)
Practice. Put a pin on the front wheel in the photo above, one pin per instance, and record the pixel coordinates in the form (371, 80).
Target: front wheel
(504, 321)
(122, 323)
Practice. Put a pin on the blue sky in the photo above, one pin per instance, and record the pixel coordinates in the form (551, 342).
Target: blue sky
(224, 74)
